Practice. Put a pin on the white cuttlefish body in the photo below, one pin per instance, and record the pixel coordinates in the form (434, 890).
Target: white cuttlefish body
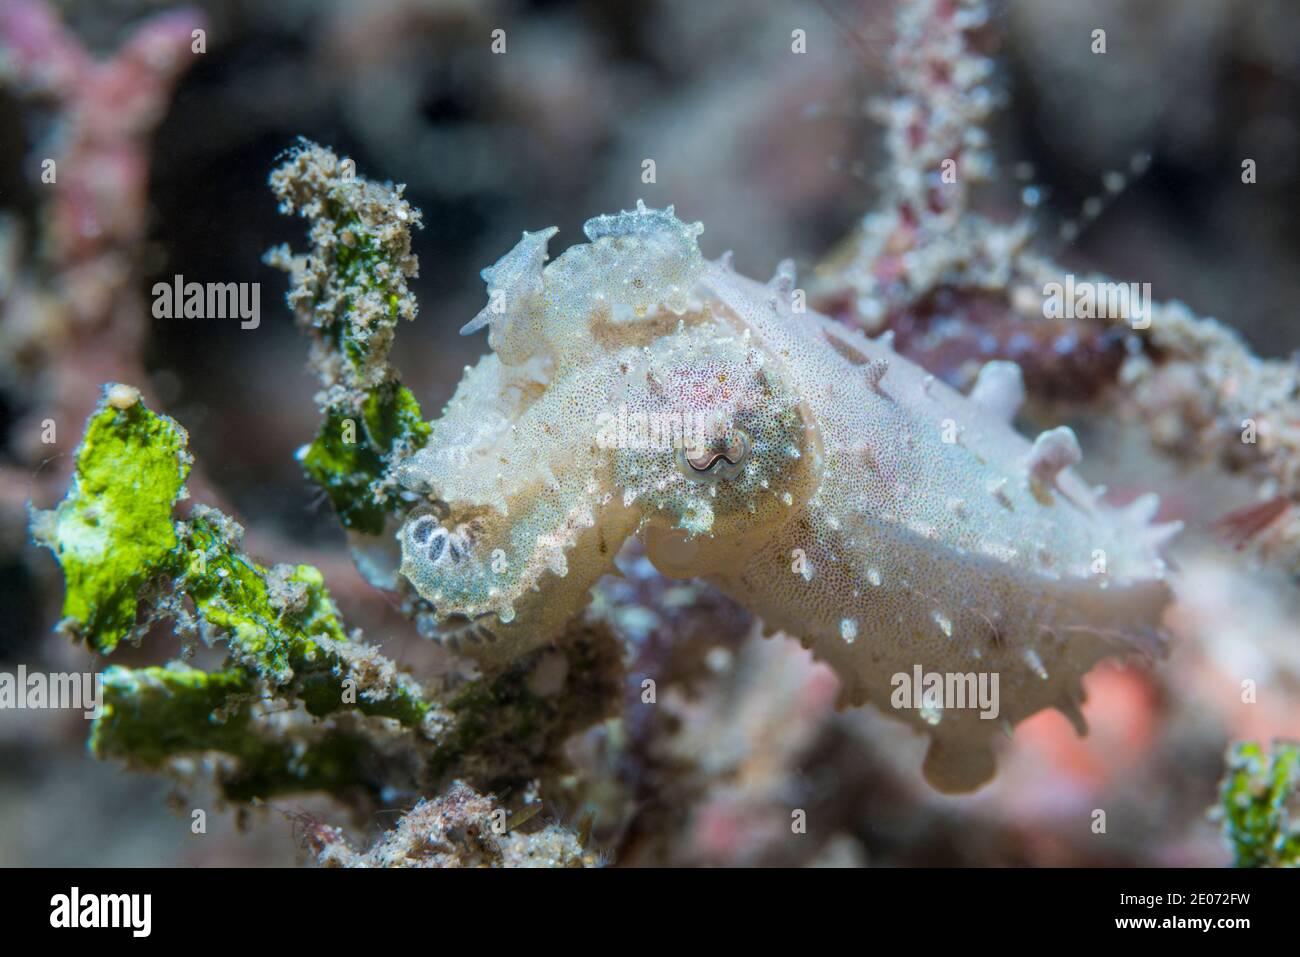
(843, 495)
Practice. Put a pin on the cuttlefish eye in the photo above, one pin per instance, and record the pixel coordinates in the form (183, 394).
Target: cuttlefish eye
(720, 458)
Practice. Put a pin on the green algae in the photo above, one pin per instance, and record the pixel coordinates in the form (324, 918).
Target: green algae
(113, 532)
(1259, 804)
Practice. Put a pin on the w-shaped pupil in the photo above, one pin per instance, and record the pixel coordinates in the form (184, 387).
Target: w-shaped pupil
(731, 449)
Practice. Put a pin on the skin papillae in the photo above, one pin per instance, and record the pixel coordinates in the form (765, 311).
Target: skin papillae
(832, 487)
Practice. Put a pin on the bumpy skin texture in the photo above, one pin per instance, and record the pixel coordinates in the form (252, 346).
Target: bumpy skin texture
(839, 492)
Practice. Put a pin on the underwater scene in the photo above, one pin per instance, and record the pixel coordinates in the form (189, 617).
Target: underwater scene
(745, 434)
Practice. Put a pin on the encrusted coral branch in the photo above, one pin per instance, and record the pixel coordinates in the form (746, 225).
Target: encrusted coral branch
(461, 828)
(155, 717)
(349, 290)
(128, 563)
(115, 538)
(937, 112)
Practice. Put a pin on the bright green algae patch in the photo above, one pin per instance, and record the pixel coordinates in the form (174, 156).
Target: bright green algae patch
(151, 715)
(284, 627)
(1259, 804)
(287, 644)
(351, 459)
(127, 562)
(113, 532)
